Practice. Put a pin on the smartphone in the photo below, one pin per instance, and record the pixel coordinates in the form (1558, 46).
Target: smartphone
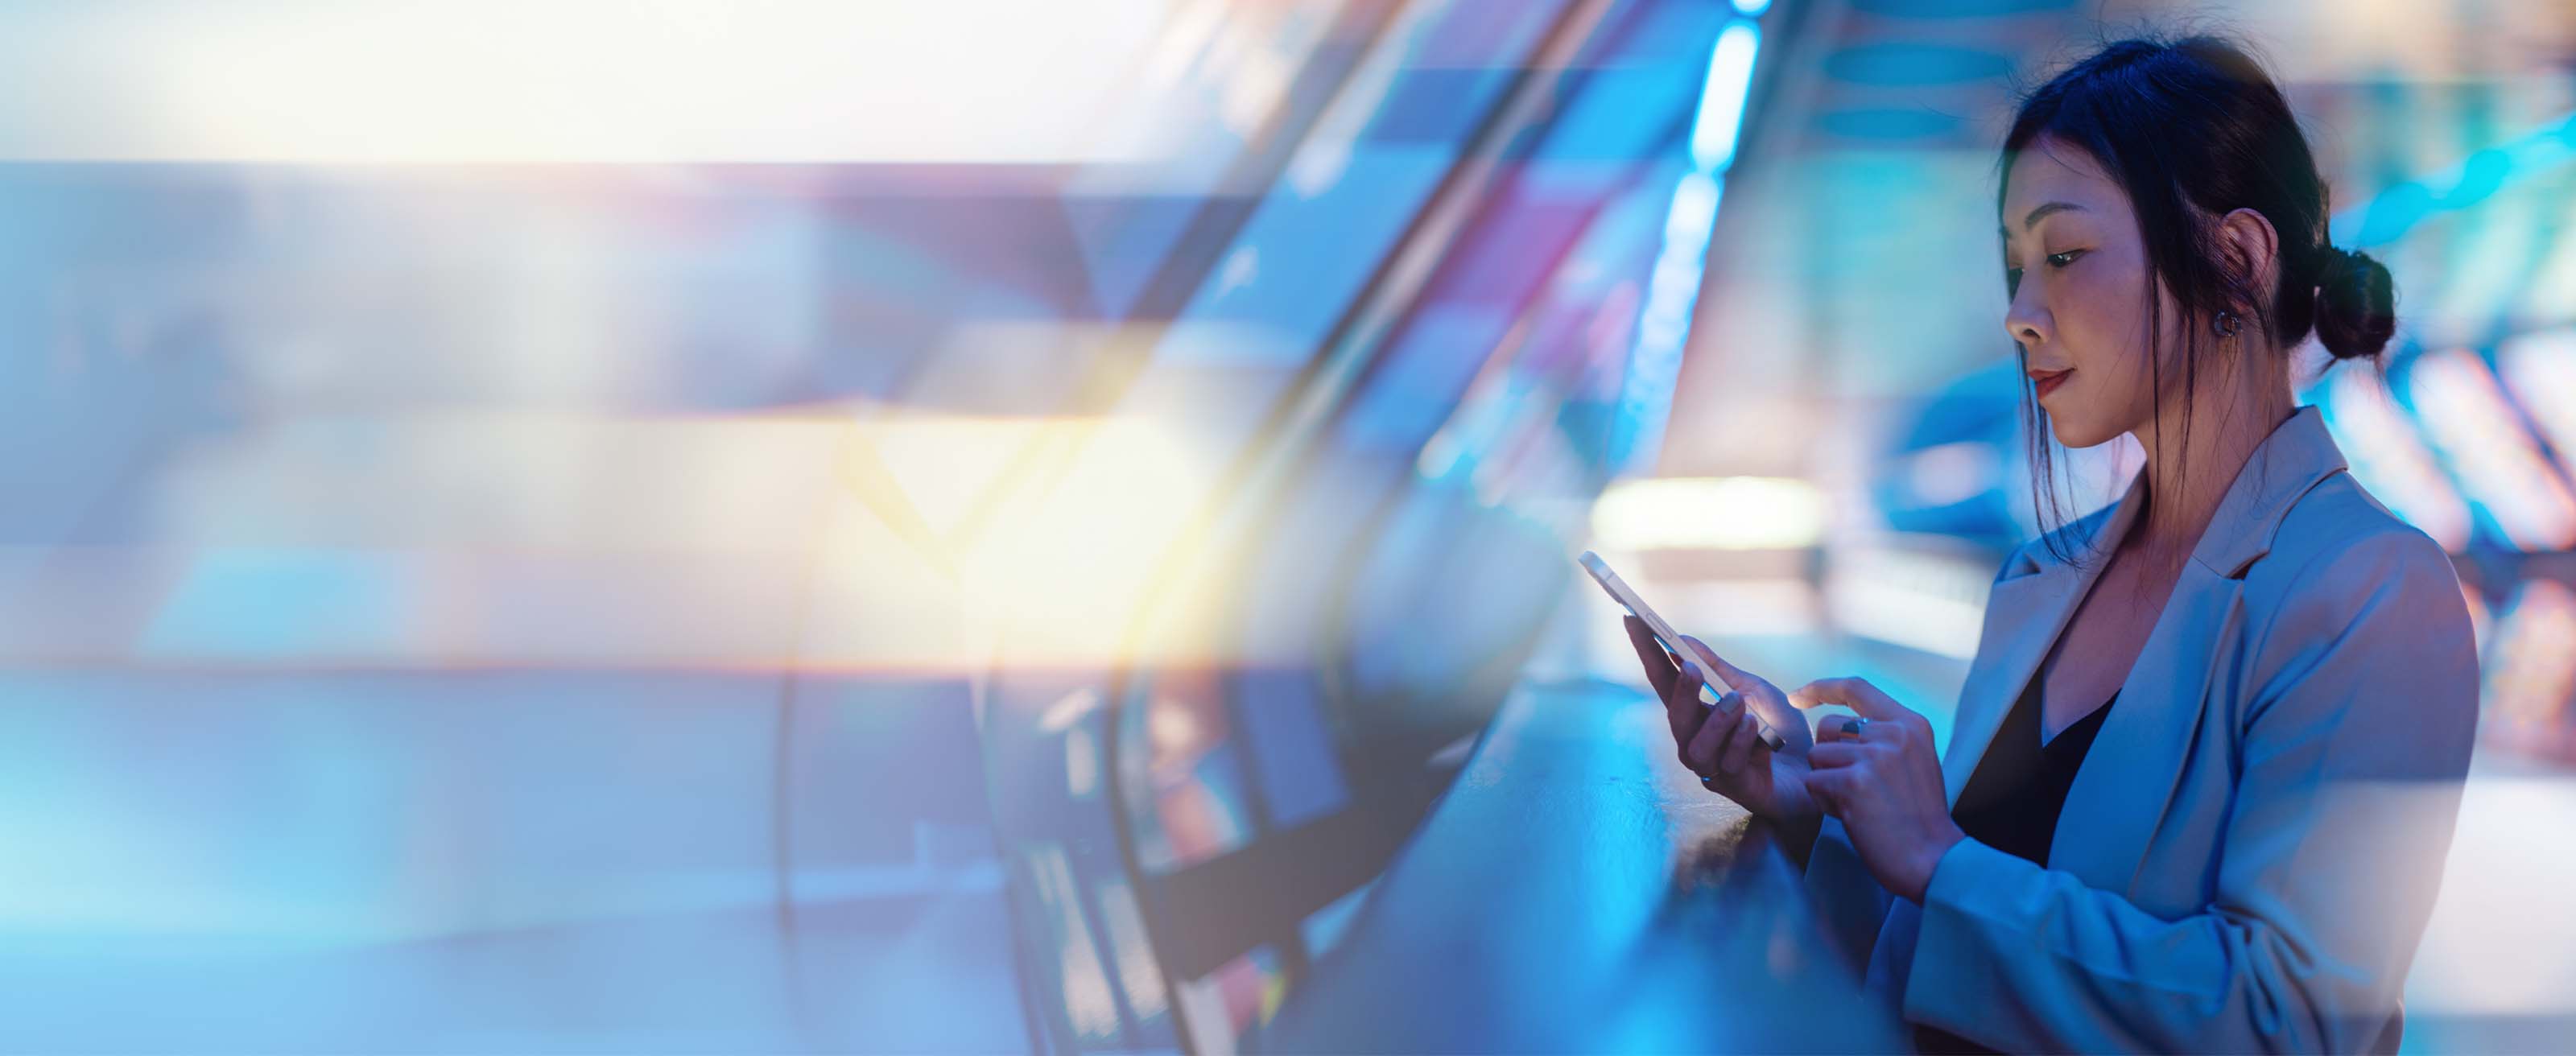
(1769, 725)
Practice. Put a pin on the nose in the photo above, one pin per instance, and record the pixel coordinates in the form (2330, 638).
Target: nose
(2027, 320)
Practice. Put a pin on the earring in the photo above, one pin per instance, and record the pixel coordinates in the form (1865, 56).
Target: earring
(2226, 324)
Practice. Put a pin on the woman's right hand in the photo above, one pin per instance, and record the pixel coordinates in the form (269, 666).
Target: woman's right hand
(1723, 745)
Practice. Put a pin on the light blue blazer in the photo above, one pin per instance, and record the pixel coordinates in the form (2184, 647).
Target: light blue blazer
(2248, 856)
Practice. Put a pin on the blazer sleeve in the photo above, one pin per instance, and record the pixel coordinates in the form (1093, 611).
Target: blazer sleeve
(2354, 743)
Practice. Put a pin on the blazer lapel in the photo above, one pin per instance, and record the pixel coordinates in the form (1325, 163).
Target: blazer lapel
(2023, 618)
(2136, 761)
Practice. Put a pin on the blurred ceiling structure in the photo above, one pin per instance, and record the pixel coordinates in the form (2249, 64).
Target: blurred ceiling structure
(1854, 262)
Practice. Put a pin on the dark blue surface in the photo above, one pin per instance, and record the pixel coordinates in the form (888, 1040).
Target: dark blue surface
(1576, 891)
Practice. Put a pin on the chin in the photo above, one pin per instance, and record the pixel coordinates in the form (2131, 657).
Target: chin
(2077, 433)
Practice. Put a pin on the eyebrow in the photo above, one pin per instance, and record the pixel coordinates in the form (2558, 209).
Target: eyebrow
(2041, 212)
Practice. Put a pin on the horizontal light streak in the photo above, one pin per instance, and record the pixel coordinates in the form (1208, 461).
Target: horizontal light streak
(1720, 513)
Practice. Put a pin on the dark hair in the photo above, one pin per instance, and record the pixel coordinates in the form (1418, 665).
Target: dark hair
(2192, 129)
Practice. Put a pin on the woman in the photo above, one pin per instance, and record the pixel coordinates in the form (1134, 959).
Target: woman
(2209, 753)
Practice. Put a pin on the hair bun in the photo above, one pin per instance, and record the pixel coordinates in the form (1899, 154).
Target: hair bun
(2356, 304)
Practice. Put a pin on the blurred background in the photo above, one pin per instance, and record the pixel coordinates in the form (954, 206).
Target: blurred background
(1021, 526)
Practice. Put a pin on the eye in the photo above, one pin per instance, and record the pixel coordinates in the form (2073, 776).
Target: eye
(2059, 260)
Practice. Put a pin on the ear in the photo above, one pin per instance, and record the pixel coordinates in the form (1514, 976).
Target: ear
(2250, 251)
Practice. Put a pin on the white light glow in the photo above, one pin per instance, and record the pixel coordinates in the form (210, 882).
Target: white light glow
(414, 81)
(1722, 513)
(1721, 103)
(1067, 567)
(1061, 715)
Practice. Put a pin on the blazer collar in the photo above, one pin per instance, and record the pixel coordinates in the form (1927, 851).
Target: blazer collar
(2286, 465)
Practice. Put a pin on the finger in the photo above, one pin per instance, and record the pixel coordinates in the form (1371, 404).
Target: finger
(1736, 755)
(1710, 744)
(1660, 671)
(1682, 709)
(1833, 755)
(1856, 694)
(1731, 676)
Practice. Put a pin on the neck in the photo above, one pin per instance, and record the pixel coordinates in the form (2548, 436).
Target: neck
(2188, 474)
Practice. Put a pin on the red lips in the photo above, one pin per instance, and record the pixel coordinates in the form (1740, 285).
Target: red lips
(2044, 382)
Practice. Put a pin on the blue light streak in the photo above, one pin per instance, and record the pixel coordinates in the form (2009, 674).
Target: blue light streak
(1672, 290)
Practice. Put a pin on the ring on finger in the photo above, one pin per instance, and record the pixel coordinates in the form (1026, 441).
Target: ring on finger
(1850, 726)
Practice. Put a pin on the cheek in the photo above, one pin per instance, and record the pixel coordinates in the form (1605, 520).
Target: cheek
(2102, 328)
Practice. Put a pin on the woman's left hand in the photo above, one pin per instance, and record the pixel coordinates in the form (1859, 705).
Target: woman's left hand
(1884, 783)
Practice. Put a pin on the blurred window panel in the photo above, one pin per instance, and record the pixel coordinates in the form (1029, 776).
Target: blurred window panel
(2540, 370)
(2531, 670)
(1348, 197)
(2389, 458)
(2484, 442)
(1222, 84)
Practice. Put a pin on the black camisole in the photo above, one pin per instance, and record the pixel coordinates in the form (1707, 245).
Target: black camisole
(2012, 800)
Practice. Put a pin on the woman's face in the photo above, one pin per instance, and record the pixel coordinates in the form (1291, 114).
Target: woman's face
(2076, 272)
